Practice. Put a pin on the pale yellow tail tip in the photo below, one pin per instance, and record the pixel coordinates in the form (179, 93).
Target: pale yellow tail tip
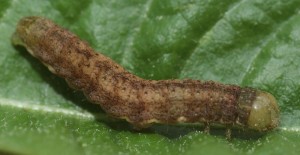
(264, 114)
(16, 40)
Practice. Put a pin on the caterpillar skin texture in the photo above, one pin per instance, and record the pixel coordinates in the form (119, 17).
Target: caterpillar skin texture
(143, 102)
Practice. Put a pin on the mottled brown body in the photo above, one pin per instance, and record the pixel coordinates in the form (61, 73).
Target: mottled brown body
(124, 95)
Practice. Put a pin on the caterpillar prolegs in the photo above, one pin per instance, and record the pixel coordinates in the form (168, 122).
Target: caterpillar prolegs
(139, 101)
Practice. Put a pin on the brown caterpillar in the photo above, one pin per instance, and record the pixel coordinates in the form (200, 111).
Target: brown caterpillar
(143, 102)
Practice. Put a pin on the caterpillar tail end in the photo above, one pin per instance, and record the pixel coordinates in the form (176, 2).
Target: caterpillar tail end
(264, 114)
(22, 29)
(16, 40)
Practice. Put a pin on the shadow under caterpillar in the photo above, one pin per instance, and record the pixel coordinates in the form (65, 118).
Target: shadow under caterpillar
(139, 101)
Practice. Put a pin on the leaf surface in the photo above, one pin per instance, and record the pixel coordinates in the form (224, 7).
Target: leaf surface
(250, 43)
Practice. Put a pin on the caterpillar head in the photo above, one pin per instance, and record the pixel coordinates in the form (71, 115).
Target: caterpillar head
(264, 113)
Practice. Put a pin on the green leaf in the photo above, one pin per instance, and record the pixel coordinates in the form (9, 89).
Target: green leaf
(250, 43)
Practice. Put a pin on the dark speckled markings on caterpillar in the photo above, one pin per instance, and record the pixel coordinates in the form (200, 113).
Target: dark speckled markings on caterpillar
(143, 102)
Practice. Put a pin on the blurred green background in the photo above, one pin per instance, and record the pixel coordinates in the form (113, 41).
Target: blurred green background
(246, 42)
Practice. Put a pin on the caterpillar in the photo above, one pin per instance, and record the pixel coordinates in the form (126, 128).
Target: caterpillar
(139, 101)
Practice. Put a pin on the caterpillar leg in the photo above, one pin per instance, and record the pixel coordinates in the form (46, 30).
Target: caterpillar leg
(206, 128)
(141, 125)
(228, 133)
